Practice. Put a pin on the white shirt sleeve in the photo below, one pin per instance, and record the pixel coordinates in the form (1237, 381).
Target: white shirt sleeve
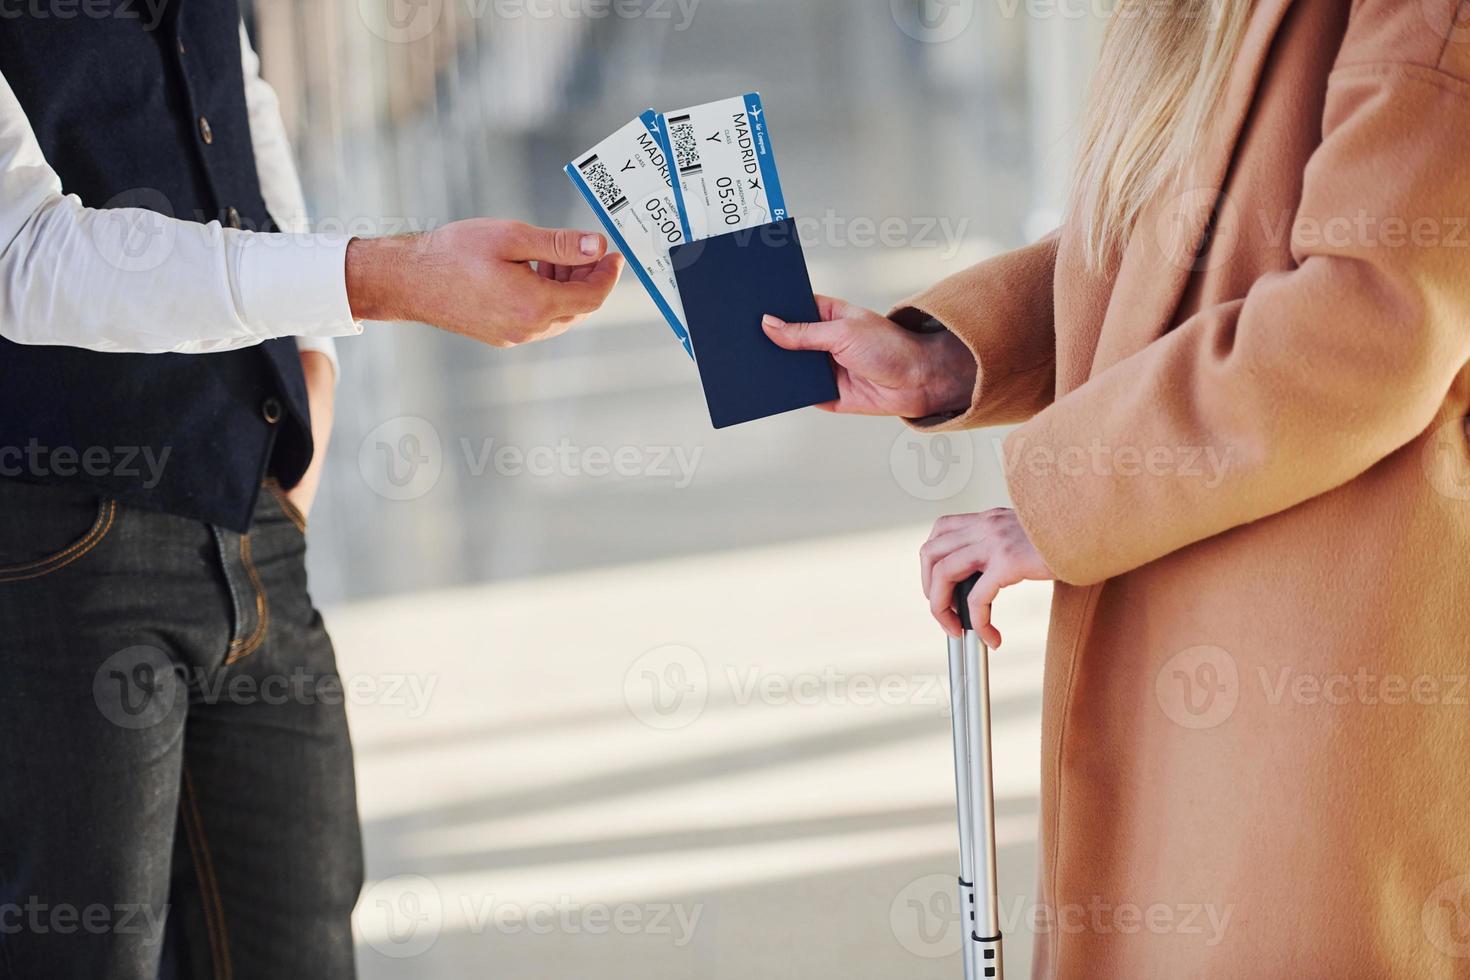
(126, 279)
(280, 184)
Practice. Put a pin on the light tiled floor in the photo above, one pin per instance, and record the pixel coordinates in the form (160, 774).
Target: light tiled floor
(731, 766)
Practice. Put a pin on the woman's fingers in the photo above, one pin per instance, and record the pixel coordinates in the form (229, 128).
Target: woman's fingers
(954, 522)
(824, 336)
(982, 602)
(936, 549)
(994, 544)
(949, 572)
(832, 308)
(948, 535)
(833, 327)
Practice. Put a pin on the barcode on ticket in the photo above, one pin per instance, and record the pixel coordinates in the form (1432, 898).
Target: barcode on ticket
(603, 184)
(686, 145)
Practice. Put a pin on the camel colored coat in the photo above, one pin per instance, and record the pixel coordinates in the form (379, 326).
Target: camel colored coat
(1247, 462)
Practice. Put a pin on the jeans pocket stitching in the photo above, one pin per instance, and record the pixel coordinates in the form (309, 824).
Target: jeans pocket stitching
(245, 646)
(292, 512)
(106, 517)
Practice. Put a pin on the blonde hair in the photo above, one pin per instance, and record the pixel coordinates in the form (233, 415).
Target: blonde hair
(1164, 67)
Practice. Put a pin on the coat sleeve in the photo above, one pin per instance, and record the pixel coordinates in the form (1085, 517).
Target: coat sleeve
(1002, 310)
(1254, 406)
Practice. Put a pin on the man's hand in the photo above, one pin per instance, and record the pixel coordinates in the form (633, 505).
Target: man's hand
(321, 395)
(883, 369)
(477, 278)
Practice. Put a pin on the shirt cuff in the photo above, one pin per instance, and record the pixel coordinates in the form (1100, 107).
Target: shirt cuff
(294, 285)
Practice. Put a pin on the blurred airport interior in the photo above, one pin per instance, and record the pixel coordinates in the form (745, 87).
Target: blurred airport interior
(551, 559)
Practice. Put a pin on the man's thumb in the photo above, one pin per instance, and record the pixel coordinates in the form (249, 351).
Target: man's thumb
(562, 246)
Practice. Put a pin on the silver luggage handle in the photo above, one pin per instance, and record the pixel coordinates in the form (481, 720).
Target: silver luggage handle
(969, 693)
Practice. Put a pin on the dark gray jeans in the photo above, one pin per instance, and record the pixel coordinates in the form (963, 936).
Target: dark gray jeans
(176, 787)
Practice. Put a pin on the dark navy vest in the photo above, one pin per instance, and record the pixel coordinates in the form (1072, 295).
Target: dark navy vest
(145, 107)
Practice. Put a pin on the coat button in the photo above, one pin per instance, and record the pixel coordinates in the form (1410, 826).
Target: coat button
(233, 217)
(272, 410)
(205, 133)
(182, 49)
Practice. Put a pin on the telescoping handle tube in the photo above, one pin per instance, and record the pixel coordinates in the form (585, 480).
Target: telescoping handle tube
(969, 678)
(958, 713)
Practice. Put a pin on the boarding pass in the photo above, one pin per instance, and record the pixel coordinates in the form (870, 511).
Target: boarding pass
(725, 169)
(626, 180)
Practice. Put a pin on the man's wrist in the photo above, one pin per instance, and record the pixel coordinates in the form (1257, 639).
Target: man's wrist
(376, 270)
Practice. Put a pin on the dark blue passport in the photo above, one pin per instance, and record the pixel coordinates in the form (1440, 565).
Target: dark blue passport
(728, 284)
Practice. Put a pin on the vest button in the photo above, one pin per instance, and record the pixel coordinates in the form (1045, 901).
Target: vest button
(233, 217)
(272, 410)
(205, 133)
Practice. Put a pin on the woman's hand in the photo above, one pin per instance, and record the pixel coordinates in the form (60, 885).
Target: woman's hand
(883, 369)
(993, 543)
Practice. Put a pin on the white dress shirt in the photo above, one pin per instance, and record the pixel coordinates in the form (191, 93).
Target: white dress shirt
(125, 279)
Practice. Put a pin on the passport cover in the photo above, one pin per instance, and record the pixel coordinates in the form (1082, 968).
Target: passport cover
(728, 284)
